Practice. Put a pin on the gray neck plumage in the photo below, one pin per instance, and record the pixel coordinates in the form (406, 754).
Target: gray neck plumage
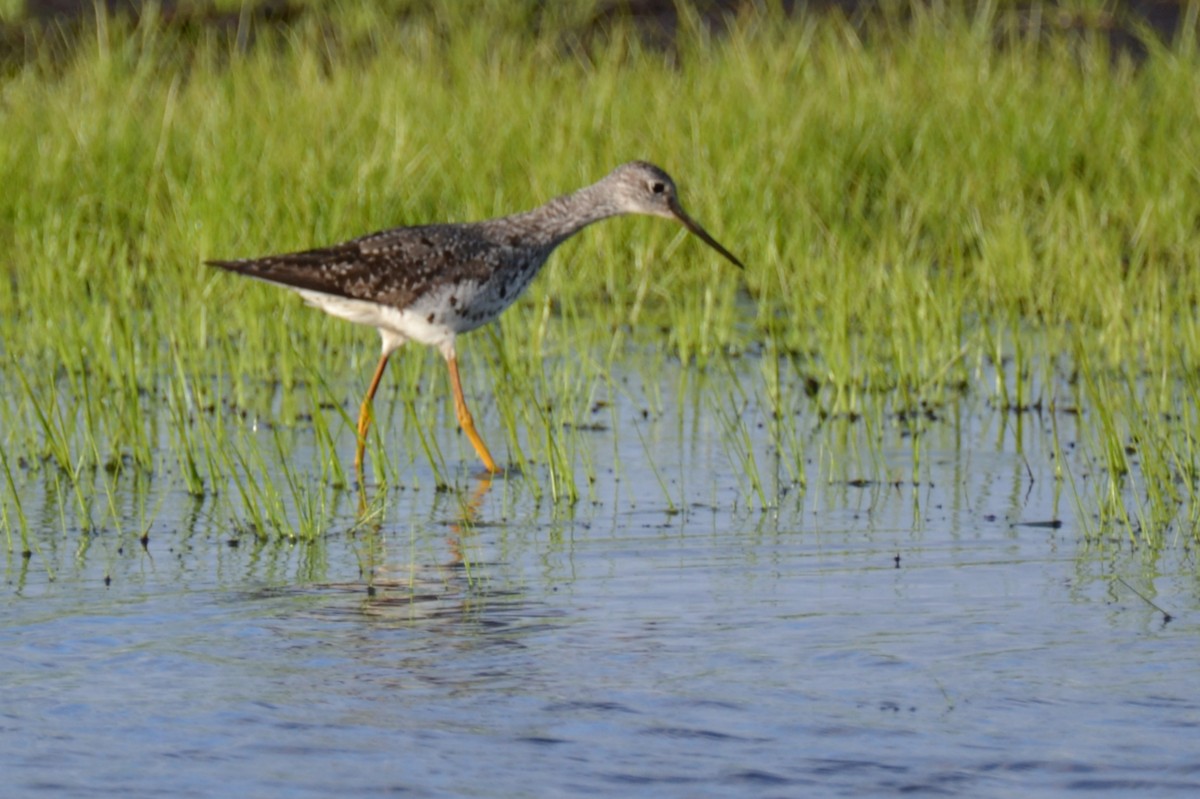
(553, 223)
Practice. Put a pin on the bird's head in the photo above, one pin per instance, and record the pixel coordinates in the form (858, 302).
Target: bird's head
(642, 188)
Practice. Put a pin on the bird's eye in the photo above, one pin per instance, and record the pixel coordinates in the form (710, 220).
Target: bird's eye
(658, 187)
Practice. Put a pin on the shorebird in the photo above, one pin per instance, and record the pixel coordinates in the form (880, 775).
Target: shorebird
(429, 283)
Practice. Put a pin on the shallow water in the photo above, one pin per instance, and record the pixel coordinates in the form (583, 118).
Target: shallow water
(664, 637)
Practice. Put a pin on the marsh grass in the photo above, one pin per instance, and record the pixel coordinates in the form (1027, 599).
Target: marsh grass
(925, 216)
(12, 512)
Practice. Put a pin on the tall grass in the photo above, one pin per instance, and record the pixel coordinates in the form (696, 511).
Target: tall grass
(911, 203)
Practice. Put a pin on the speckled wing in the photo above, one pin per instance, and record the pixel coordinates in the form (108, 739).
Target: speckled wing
(391, 267)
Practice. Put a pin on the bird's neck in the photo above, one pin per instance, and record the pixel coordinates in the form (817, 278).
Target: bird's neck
(553, 223)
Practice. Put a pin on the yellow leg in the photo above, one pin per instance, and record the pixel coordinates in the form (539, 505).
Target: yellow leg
(364, 416)
(464, 417)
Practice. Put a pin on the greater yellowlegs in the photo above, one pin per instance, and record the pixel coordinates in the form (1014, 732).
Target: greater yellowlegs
(431, 282)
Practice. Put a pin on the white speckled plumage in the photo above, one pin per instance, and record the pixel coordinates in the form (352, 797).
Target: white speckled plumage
(429, 283)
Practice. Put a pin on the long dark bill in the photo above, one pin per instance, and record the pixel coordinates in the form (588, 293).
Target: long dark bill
(694, 227)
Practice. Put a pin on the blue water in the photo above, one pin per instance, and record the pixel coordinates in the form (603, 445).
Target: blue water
(664, 637)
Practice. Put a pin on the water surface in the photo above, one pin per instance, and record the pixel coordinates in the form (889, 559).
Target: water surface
(664, 637)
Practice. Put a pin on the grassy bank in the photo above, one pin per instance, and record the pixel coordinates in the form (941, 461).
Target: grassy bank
(924, 215)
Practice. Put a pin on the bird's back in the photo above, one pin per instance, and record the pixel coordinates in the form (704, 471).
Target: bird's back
(400, 266)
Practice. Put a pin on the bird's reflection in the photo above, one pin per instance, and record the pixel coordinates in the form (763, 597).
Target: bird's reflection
(412, 589)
